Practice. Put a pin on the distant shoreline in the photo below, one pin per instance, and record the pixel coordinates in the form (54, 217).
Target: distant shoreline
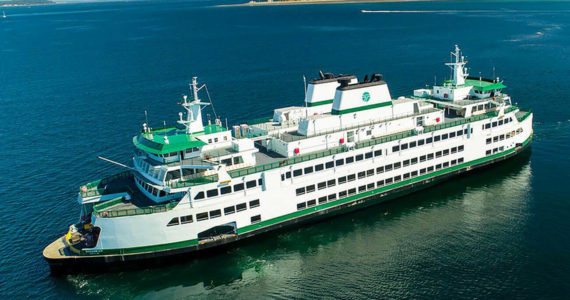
(308, 2)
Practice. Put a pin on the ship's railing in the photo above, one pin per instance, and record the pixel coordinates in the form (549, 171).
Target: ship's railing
(97, 187)
(192, 181)
(259, 120)
(99, 211)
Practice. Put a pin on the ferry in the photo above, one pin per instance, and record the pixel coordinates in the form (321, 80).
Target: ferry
(198, 186)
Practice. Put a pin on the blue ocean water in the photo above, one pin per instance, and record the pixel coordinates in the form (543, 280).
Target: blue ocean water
(75, 81)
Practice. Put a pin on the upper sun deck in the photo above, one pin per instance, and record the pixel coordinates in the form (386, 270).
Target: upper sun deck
(172, 139)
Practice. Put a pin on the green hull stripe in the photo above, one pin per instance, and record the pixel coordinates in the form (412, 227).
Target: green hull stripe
(300, 213)
(351, 110)
(311, 104)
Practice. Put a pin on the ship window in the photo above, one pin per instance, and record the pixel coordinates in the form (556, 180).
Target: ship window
(423, 171)
(500, 122)
(421, 142)
(297, 172)
(310, 188)
(212, 193)
(430, 169)
(454, 162)
(406, 162)
(215, 213)
(241, 207)
(250, 184)
(395, 148)
(332, 197)
(370, 186)
(331, 182)
(187, 172)
(238, 187)
(412, 144)
(173, 175)
(342, 180)
(446, 164)
(288, 175)
(414, 160)
(319, 167)
(322, 185)
(351, 177)
(397, 165)
(362, 188)
(430, 156)
(444, 136)
(388, 180)
(388, 167)
(438, 154)
(282, 177)
(300, 191)
(428, 140)
(238, 160)
(377, 152)
(370, 173)
(454, 150)
(460, 160)
(329, 164)
(438, 166)
(368, 155)
(452, 134)
(352, 191)
(349, 159)
(380, 183)
(403, 146)
(414, 173)
(361, 175)
(155, 192)
(502, 137)
(260, 181)
(227, 161)
(254, 203)
(407, 175)
(460, 148)
(445, 152)
(311, 203)
(502, 148)
(488, 125)
(436, 138)
(459, 132)
(368, 132)
(173, 222)
(495, 124)
(488, 141)
(161, 194)
(342, 194)
(301, 205)
(340, 162)
(186, 219)
(202, 216)
(229, 210)
(309, 170)
(225, 190)
(379, 170)
(495, 139)
(200, 195)
(323, 200)
(256, 219)
(359, 157)
(397, 178)
(422, 158)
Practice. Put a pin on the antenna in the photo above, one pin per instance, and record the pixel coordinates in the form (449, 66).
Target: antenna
(306, 100)
(493, 72)
(146, 115)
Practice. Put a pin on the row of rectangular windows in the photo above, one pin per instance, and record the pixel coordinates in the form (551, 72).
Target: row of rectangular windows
(372, 185)
(371, 172)
(228, 189)
(503, 136)
(214, 213)
(150, 189)
(499, 149)
(497, 123)
(429, 140)
(330, 164)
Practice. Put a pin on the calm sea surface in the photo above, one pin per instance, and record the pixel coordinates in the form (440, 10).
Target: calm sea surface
(75, 80)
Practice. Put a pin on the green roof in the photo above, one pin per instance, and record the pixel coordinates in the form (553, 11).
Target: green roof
(178, 140)
(482, 85)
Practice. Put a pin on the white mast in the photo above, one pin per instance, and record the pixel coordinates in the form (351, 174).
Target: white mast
(193, 121)
(458, 67)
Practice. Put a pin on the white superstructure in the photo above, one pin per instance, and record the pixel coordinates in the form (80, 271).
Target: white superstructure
(348, 144)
